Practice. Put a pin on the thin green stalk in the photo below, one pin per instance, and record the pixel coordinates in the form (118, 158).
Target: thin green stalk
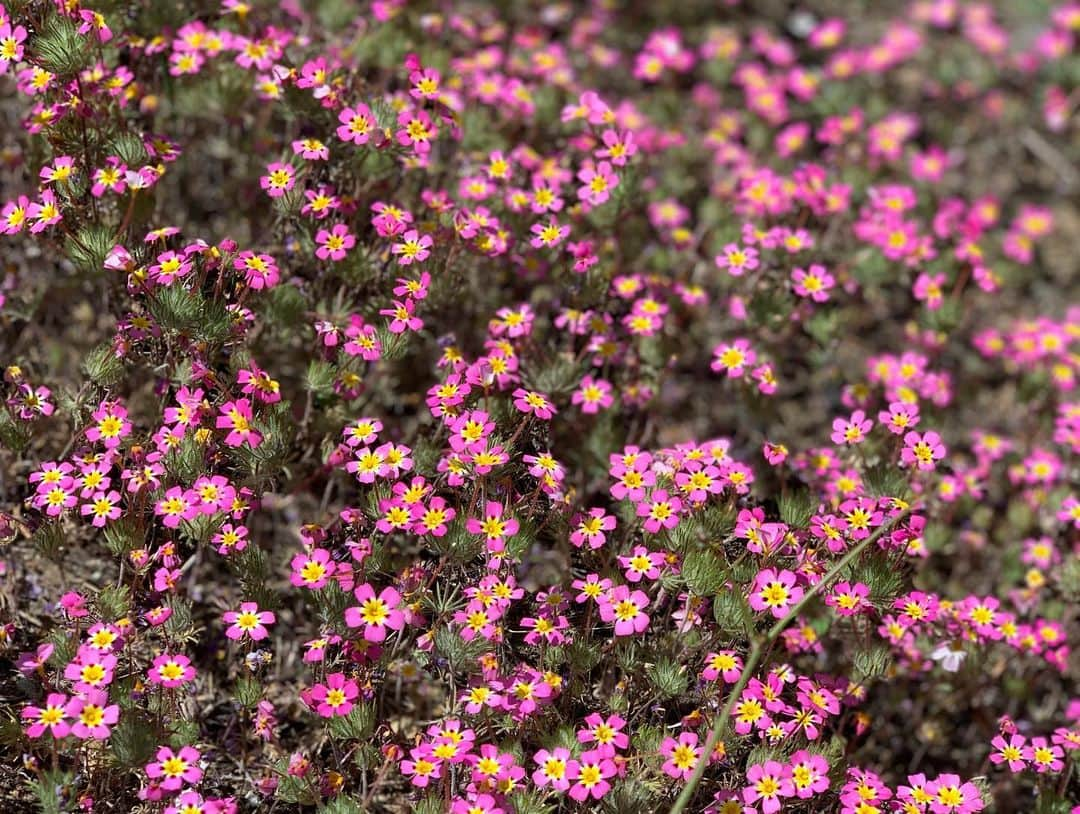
(760, 646)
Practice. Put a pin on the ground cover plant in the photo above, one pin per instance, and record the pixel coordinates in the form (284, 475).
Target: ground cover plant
(512, 408)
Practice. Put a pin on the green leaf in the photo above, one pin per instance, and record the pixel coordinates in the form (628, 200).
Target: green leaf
(797, 507)
(357, 725)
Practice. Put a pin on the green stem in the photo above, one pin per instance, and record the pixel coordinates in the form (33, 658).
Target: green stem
(760, 646)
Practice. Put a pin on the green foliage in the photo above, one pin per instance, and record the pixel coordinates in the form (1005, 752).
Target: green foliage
(114, 601)
(705, 572)
(357, 725)
(102, 366)
(669, 677)
(60, 47)
(248, 691)
(88, 249)
(133, 741)
(797, 507)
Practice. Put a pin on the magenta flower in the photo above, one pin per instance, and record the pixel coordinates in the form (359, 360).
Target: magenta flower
(376, 613)
(737, 260)
(592, 395)
(590, 774)
(104, 506)
(236, 416)
(809, 774)
(495, 528)
(1010, 752)
(260, 270)
(851, 430)
(606, 733)
(51, 718)
(626, 610)
(312, 570)
(357, 124)
(335, 697)
(403, 317)
(176, 768)
(814, 282)
(597, 183)
(922, 451)
(413, 248)
(768, 782)
(589, 528)
(555, 768)
(422, 766)
(661, 510)
(950, 795)
(249, 621)
(724, 664)
(279, 179)
(334, 243)
(682, 755)
(529, 401)
(775, 592)
(733, 358)
(111, 424)
(92, 714)
(171, 671)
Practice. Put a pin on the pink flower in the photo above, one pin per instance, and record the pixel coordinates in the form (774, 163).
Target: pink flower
(529, 401)
(737, 260)
(724, 664)
(775, 592)
(335, 697)
(626, 610)
(279, 179)
(768, 782)
(357, 124)
(334, 243)
(312, 570)
(592, 395)
(1044, 757)
(177, 768)
(606, 733)
(422, 767)
(900, 417)
(495, 528)
(922, 451)
(591, 774)
(815, 282)
(111, 424)
(851, 430)
(928, 289)
(11, 45)
(809, 774)
(404, 317)
(413, 248)
(249, 621)
(555, 768)
(590, 527)
(376, 614)
(950, 795)
(51, 718)
(175, 506)
(1009, 751)
(661, 510)
(260, 270)
(171, 671)
(733, 358)
(92, 714)
(682, 755)
(597, 183)
(104, 506)
(236, 416)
